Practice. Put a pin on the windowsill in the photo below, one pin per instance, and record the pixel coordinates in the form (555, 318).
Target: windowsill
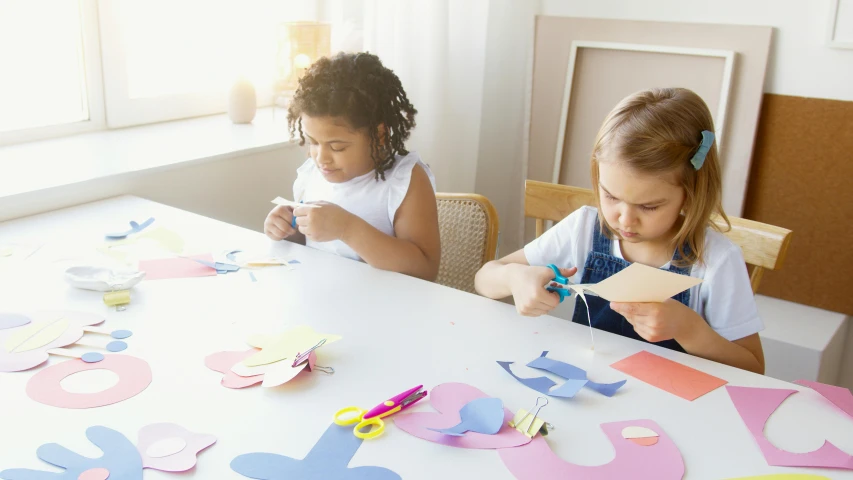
(45, 164)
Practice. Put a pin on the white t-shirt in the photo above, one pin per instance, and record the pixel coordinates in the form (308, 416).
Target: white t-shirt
(724, 298)
(375, 201)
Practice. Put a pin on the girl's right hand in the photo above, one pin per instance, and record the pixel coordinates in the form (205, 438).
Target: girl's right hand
(528, 289)
(277, 225)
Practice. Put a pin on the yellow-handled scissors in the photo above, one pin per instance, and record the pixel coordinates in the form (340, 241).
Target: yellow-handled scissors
(373, 417)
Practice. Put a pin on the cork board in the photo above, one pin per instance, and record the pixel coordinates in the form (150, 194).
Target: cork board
(801, 179)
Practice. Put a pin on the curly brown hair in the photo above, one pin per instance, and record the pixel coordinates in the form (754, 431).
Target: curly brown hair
(357, 87)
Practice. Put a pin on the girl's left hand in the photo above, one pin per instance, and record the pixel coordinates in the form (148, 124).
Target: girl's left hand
(657, 322)
(323, 223)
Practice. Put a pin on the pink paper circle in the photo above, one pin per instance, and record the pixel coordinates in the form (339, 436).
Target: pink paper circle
(134, 375)
(95, 474)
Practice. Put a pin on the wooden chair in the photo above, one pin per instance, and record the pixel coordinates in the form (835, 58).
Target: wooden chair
(764, 246)
(468, 224)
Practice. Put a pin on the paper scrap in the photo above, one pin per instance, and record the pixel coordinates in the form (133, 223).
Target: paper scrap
(640, 283)
(481, 415)
(645, 437)
(673, 377)
(285, 345)
(448, 399)
(169, 447)
(328, 459)
(223, 362)
(755, 405)
(660, 461)
(177, 267)
(134, 228)
(568, 389)
(290, 203)
(568, 371)
(839, 396)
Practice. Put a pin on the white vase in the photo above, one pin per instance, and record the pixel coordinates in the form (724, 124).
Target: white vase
(242, 101)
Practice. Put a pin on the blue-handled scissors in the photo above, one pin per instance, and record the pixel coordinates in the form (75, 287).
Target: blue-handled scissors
(558, 284)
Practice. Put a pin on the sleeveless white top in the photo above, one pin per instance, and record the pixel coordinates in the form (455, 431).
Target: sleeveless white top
(375, 201)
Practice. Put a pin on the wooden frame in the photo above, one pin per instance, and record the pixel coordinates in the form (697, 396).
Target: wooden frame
(719, 121)
(831, 27)
(492, 219)
(764, 246)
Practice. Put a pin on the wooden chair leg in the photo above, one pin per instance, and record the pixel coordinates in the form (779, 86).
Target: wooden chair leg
(540, 227)
(755, 278)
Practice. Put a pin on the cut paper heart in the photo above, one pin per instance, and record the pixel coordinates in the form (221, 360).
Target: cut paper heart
(121, 460)
(26, 346)
(840, 397)
(755, 405)
(544, 385)
(571, 372)
(134, 228)
(328, 459)
(448, 399)
(481, 415)
(673, 377)
(658, 461)
(285, 345)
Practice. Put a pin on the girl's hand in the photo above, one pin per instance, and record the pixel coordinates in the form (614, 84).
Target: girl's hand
(277, 225)
(657, 322)
(323, 221)
(528, 289)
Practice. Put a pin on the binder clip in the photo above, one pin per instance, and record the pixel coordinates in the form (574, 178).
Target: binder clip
(117, 298)
(311, 357)
(529, 423)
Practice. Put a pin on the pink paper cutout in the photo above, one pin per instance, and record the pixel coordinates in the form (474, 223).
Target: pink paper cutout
(16, 362)
(134, 376)
(178, 267)
(673, 377)
(223, 362)
(840, 397)
(178, 462)
(448, 399)
(660, 461)
(755, 405)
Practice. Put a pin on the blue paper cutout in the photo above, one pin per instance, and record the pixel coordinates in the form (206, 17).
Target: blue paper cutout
(120, 457)
(116, 346)
(294, 262)
(232, 255)
(220, 267)
(481, 415)
(134, 228)
(12, 320)
(544, 384)
(252, 276)
(567, 371)
(121, 334)
(328, 459)
(92, 357)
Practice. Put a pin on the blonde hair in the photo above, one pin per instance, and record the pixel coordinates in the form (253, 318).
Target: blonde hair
(658, 131)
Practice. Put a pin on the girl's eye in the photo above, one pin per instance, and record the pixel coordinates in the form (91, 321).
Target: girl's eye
(648, 209)
(610, 197)
(338, 149)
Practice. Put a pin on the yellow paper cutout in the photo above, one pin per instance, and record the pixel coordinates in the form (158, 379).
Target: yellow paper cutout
(119, 297)
(640, 283)
(6, 252)
(167, 239)
(36, 335)
(285, 345)
(784, 476)
(525, 426)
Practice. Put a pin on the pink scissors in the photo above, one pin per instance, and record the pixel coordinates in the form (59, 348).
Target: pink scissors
(374, 416)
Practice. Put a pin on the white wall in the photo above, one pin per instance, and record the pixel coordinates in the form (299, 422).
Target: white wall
(236, 190)
(800, 62)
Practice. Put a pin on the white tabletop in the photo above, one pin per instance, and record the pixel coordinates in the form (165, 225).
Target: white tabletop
(397, 331)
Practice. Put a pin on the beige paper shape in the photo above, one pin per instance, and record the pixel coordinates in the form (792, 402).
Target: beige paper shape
(36, 335)
(285, 345)
(281, 372)
(640, 283)
(290, 203)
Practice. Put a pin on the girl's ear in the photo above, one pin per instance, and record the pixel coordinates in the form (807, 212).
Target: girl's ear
(382, 133)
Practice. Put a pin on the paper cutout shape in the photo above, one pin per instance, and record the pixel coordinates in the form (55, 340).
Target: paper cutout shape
(134, 376)
(448, 399)
(755, 405)
(572, 372)
(639, 283)
(285, 345)
(661, 461)
(784, 476)
(673, 377)
(223, 361)
(840, 397)
(220, 267)
(290, 203)
(35, 335)
(12, 320)
(640, 435)
(481, 415)
(328, 459)
(568, 389)
(92, 357)
(134, 228)
(180, 267)
(20, 360)
(116, 346)
(121, 459)
(170, 434)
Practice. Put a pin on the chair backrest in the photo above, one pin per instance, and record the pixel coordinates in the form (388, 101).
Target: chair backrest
(468, 224)
(764, 246)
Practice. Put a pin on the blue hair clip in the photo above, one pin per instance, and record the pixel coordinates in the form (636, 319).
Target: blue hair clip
(699, 158)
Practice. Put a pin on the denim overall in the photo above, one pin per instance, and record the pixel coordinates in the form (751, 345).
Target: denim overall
(601, 264)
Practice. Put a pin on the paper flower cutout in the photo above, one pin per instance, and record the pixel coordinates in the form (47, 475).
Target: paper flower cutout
(285, 345)
(271, 375)
(223, 361)
(171, 448)
(327, 459)
(175, 449)
(25, 346)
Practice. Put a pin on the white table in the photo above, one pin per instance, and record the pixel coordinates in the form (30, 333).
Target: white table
(398, 332)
